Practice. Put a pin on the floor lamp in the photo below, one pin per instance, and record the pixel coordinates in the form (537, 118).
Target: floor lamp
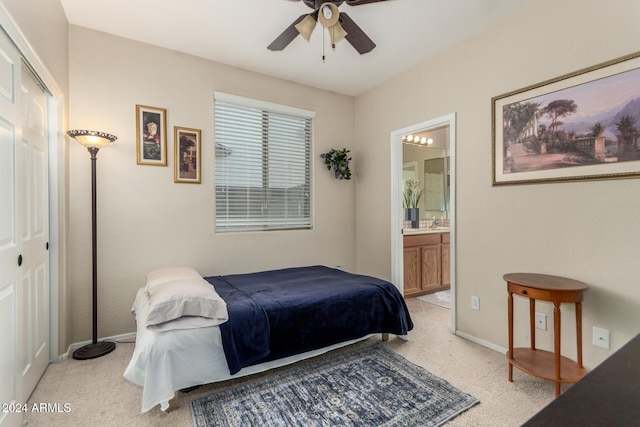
(94, 141)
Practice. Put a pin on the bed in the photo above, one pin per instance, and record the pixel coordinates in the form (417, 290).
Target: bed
(261, 321)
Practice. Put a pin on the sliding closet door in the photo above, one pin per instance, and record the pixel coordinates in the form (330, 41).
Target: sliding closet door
(24, 229)
(33, 319)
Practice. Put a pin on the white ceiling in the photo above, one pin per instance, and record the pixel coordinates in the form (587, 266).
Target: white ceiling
(237, 32)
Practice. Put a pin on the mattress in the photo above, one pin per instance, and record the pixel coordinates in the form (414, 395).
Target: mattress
(170, 360)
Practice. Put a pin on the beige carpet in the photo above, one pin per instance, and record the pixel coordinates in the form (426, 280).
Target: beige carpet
(99, 395)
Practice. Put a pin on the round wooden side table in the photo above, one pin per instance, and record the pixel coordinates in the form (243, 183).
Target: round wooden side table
(541, 363)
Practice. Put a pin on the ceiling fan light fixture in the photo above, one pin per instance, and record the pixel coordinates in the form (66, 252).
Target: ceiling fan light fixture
(326, 12)
(306, 27)
(329, 14)
(339, 24)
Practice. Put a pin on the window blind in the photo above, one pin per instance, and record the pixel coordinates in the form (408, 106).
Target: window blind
(262, 167)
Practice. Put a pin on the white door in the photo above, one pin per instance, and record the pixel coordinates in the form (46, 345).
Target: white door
(24, 229)
(33, 316)
(10, 246)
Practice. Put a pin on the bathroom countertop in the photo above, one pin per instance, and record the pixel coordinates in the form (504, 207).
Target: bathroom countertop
(409, 231)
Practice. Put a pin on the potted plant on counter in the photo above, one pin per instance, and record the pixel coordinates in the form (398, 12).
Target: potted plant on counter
(411, 195)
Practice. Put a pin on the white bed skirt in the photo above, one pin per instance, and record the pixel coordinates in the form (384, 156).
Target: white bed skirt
(166, 361)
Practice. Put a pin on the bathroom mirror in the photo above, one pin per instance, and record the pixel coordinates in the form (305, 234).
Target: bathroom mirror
(429, 165)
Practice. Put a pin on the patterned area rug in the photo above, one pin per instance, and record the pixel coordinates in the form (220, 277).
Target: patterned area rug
(367, 387)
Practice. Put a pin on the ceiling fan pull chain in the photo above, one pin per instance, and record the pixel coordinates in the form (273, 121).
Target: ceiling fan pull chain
(333, 35)
(322, 44)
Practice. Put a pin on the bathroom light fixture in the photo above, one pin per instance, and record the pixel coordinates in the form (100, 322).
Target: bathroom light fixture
(94, 141)
(411, 139)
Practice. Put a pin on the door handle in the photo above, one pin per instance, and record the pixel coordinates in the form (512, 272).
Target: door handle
(19, 260)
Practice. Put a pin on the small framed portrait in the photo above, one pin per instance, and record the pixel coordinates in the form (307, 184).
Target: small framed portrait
(187, 155)
(151, 135)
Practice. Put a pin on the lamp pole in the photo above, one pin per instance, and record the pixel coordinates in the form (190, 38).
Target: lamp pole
(93, 141)
(94, 241)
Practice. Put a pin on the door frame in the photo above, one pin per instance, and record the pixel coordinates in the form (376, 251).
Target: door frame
(57, 161)
(397, 261)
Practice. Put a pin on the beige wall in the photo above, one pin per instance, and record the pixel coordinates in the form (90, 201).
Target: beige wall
(146, 220)
(585, 230)
(44, 24)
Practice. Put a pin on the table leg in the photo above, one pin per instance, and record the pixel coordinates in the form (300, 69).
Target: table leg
(556, 336)
(532, 322)
(510, 353)
(579, 331)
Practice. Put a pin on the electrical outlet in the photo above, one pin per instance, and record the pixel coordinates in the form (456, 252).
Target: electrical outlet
(541, 321)
(475, 303)
(601, 337)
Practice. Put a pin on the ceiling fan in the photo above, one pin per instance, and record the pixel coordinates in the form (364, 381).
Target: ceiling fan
(339, 25)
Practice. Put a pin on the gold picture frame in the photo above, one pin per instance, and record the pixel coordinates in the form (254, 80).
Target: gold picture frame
(187, 157)
(151, 135)
(580, 126)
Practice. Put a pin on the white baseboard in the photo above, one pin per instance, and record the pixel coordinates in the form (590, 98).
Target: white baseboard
(483, 343)
(132, 336)
(73, 347)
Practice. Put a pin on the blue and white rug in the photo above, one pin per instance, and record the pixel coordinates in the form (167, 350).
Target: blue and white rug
(367, 387)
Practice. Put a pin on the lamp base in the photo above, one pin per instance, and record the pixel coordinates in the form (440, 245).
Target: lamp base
(92, 351)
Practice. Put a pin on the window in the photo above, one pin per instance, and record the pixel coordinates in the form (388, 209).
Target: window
(262, 165)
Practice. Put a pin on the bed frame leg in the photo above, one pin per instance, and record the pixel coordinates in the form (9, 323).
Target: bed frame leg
(385, 336)
(173, 404)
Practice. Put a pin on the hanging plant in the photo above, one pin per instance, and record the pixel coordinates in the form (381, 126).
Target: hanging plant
(338, 160)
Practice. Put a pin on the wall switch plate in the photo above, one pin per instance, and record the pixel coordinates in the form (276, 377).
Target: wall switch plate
(601, 337)
(541, 321)
(475, 303)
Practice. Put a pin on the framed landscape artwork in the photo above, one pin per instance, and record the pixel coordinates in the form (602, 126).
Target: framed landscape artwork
(583, 125)
(187, 155)
(151, 136)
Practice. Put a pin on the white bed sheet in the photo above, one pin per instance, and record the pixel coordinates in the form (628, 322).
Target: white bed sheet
(166, 361)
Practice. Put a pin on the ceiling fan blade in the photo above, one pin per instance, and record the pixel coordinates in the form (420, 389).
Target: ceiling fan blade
(359, 2)
(310, 3)
(287, 35)
(358, 39)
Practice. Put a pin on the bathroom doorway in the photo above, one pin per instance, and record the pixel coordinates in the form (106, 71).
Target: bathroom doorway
(437, 204)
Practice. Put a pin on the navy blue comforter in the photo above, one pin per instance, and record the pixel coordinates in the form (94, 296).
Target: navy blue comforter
(279, 313)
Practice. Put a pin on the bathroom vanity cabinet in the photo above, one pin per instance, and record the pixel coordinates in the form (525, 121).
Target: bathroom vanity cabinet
(426, 263)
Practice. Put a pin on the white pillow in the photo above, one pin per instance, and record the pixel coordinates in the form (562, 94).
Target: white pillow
(168, 274)
(178, 293)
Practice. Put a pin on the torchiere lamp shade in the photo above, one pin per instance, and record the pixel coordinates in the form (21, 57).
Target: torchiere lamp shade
(92, 138)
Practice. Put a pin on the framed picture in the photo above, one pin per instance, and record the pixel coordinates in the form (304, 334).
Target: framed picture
(151, 135)
(187, 155)
(583, 125)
